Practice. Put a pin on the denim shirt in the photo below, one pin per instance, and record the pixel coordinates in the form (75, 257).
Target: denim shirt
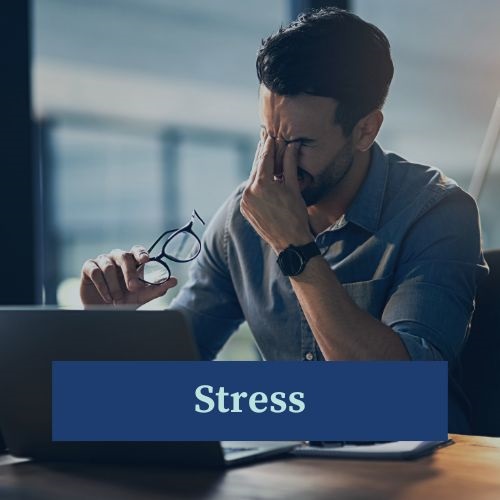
(407, 250)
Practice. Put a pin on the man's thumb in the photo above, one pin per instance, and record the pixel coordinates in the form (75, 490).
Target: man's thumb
(152, 292)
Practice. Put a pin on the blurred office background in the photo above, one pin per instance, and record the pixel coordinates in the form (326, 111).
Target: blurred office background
(146, 109)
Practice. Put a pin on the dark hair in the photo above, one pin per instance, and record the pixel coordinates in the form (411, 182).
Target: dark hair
(330, 53)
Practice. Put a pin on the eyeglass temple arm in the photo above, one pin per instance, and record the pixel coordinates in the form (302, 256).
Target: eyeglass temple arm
(159, 239)
(196, 214)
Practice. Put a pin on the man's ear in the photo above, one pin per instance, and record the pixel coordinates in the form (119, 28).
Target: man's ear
(366, 130)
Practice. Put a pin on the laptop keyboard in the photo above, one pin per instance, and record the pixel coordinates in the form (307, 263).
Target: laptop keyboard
(229, 449)
(326, 444)
(321, 444)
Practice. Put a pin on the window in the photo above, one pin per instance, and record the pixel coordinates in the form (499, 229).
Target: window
(146, 110)
(446, 82)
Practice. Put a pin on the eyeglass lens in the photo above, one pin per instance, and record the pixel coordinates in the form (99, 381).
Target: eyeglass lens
(183, 247)
(154, 272)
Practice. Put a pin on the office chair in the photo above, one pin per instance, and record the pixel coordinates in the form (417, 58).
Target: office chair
(481, 355)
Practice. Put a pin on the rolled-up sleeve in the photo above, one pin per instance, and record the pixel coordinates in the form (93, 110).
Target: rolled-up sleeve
(431, 302)
(208, 299)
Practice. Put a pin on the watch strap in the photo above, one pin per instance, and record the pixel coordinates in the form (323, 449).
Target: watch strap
(309, 250)
(303, 253)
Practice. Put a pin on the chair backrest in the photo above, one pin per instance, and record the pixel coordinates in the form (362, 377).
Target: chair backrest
(481, 355)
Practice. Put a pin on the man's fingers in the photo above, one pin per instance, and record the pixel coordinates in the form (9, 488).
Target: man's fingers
(152, 292)
(290, 165)
(93, 273)
(258, 151)
(140, 254)
(110, 272)
(127, 262)
(279, 151)
(265, 165)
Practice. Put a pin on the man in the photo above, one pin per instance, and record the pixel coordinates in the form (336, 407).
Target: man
(333, 249)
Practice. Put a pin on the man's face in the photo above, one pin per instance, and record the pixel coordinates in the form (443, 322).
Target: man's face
(326, 155)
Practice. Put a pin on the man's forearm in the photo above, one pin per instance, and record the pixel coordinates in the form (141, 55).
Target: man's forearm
(342, 330)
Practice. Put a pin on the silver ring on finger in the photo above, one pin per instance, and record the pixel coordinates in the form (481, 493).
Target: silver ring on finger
(280, 179)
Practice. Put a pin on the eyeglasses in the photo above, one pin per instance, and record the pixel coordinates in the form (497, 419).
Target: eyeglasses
(181, 245)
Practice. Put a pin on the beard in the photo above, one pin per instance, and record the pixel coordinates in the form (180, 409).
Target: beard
(321, 185)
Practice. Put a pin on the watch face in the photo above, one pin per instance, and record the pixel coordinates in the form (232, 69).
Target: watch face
(290, 262)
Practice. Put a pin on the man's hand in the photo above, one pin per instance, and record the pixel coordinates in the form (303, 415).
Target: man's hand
(113, 279)
(276, 210)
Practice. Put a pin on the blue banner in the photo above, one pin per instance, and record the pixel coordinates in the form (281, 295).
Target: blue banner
(216, 401)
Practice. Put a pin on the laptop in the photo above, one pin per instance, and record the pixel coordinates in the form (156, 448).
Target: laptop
(31, 338)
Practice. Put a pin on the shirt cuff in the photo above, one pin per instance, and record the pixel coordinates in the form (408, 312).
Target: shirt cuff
(419, 349)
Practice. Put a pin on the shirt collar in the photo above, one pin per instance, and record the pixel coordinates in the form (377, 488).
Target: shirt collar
(366, 207)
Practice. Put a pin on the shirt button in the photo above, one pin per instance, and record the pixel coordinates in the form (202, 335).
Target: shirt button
(309, 356)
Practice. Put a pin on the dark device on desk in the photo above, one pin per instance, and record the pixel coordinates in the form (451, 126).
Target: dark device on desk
(30, 339)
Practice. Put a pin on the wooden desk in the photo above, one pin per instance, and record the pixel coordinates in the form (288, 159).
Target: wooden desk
(469, 469)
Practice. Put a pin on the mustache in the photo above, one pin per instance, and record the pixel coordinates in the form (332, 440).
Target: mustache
(303, 173)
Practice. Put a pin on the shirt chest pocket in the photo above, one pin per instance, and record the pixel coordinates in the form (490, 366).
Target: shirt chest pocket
(371, 295)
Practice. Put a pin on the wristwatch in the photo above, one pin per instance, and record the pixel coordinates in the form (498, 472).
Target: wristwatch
(292, 260)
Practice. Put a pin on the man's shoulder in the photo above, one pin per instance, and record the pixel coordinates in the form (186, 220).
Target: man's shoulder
(411, 179)
(414, 189)
(233, 204)
(228, 218)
